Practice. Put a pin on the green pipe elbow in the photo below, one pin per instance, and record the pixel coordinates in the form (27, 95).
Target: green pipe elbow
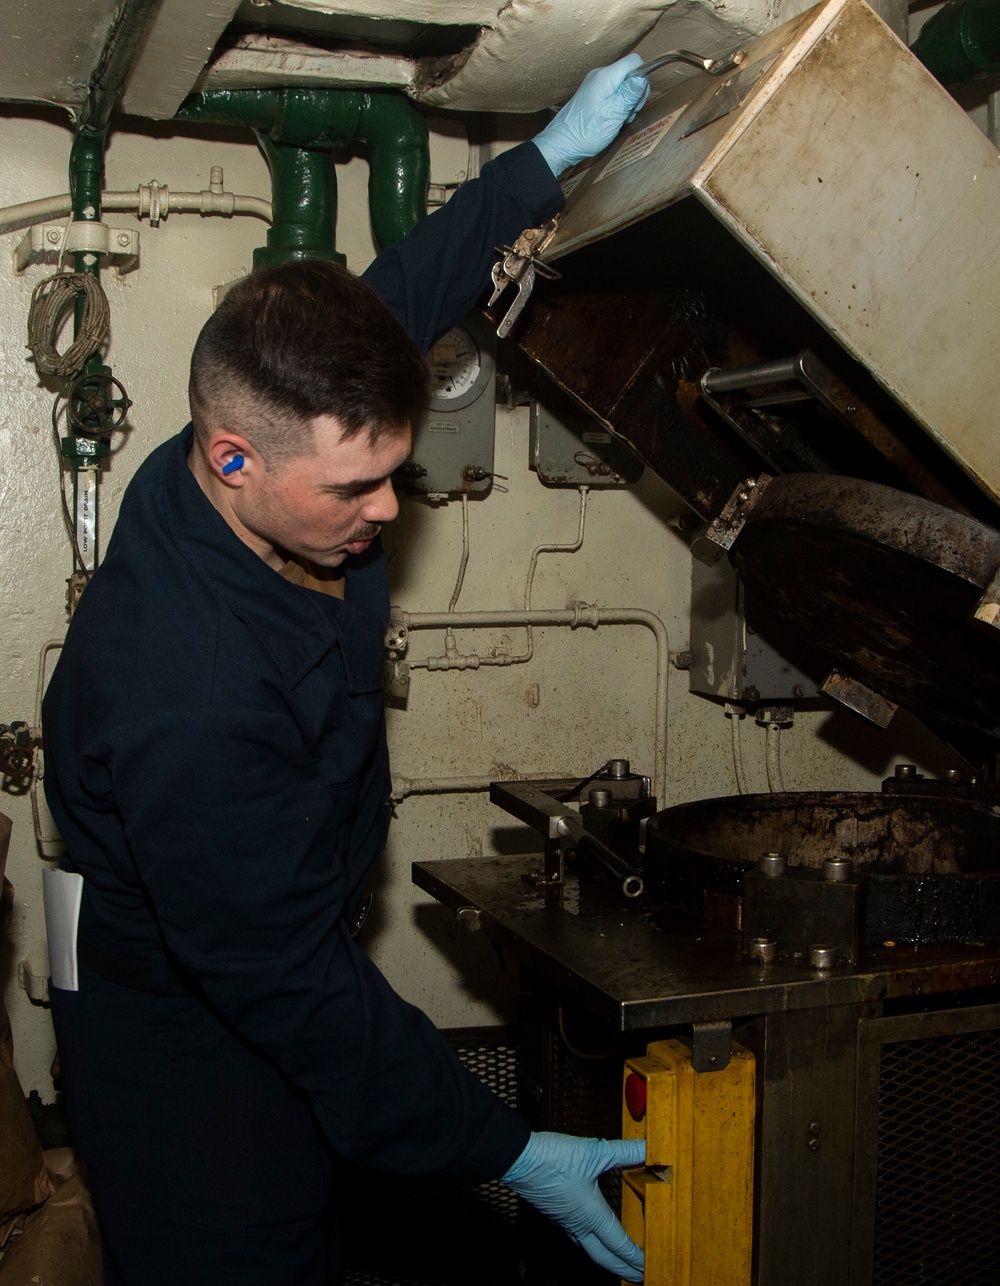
(310, 122)
(961, 42)
(257, 108)
(399, 165)
(303, 205)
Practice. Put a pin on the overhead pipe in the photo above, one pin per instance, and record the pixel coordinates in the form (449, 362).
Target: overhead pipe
(297, 129)
(961, 43)
(108, 78)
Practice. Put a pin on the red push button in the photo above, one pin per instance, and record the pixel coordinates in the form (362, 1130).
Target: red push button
(635, 1096)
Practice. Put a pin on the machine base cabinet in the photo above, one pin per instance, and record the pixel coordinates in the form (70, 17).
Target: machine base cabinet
(845, 1145)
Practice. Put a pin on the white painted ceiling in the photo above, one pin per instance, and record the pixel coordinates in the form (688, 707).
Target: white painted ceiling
(468, 55)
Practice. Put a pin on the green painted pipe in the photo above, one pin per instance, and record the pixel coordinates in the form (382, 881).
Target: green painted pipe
(84, 453)
(396, 135)
(86, 179)
(961, 43)
(86, 171)
(296, 129)
(303, 205)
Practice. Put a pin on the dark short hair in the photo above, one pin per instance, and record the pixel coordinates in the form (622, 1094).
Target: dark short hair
(299, 340)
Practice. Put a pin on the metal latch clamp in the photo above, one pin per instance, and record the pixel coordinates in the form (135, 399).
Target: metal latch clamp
(519, 267)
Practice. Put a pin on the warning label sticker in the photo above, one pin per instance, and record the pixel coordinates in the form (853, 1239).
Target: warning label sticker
(639, 146)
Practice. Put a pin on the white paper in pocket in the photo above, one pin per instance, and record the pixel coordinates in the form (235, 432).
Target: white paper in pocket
(63, 893)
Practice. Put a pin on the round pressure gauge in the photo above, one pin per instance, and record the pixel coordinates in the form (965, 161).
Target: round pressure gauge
(459, 372)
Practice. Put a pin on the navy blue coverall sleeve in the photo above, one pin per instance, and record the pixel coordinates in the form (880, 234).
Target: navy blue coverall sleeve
(430, 293)
(231, 822)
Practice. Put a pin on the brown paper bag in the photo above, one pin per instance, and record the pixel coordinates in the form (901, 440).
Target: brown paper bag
(23, 1178)
(59, 1243)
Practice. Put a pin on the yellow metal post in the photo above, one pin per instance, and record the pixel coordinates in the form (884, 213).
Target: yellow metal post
(691, 1206)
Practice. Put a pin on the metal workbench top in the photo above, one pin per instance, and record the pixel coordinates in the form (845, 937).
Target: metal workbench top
(636, 976)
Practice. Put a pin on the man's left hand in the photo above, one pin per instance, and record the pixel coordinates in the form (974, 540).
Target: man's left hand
(607, 99)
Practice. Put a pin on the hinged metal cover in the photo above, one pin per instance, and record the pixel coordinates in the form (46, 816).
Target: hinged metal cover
(839, 163)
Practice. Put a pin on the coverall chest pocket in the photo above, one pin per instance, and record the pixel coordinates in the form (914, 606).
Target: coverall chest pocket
(343, 702)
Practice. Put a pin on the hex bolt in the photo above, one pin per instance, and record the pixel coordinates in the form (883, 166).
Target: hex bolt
(905, 772)
(814, 1128)
(123, 239)
(953, 776)
(772, 864)
(813, 1145)
(822, 955)
(837, 869)
(763, 950)
(618, 768)
(52, 237)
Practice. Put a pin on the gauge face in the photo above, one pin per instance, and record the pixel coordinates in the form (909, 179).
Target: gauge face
(456, 364)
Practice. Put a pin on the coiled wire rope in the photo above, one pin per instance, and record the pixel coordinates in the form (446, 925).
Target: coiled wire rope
(50, 301)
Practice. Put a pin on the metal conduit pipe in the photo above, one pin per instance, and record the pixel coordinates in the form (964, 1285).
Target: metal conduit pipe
(575, 617)
(961, 43)
(14, 218)
(403, 787)
(297, 128)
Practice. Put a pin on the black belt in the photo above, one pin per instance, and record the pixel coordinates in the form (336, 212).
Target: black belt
(161, 976)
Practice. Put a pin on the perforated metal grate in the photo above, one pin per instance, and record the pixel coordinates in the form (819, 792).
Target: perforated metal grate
(401, 1231)
(938, 1202)
(586, 1097)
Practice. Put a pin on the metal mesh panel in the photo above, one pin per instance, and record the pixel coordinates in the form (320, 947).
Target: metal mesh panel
(586, 1097)
(938, 1203)
(401, 1231)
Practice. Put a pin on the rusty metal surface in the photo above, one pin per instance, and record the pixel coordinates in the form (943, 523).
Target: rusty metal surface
(922, 869)
(848, 174)
(636, 321)
(634, 976)
(867, 193)
(891, 834)
(625, 351)
(886, 585)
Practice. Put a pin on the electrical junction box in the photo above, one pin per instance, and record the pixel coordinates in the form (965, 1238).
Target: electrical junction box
(569, 448)
(739, 653)
(454, 445)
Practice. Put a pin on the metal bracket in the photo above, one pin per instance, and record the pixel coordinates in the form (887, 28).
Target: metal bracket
(862, 700)
(722, 531)
(48, 242)
(711, 1046)
(519, 266)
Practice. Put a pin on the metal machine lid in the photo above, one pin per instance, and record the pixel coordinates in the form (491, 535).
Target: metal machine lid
(886, 584)
(834, 158)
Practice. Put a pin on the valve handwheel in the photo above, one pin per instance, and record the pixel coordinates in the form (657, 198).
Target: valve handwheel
(97, 404)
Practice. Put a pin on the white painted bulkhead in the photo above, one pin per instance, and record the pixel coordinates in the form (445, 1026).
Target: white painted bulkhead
(586, 694)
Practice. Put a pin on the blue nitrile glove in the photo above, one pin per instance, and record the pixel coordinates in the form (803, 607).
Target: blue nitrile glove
(607, 98)
(558, 1173)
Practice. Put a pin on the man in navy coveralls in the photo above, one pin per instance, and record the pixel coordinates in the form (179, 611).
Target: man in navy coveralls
(216, 762)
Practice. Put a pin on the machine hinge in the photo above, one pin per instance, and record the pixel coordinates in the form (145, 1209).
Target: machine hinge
(711, 1046)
